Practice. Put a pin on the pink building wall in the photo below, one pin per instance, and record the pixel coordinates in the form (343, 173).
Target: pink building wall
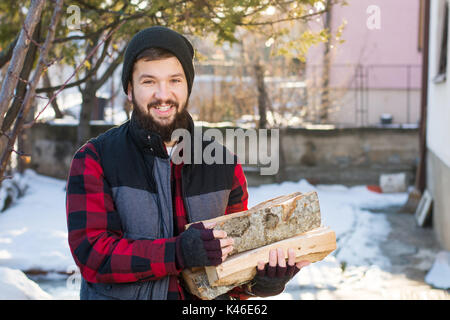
(386, 51)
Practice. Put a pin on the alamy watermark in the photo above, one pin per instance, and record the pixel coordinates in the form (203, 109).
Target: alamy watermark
(73, 282)
(374, 20)
(253, 147)
(73, 22)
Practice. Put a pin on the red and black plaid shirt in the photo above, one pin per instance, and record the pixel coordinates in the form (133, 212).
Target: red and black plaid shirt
(96, 239)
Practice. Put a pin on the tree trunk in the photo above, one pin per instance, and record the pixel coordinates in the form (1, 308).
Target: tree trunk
(89, 97)
(15, 69)
(21, 88)
(87, 106)
(24, 145)
(30, 95)
(282, 174)
(325, 95)
(262, 95)
(6, 54)
(20, 93)
(47, 83)
(18, 57)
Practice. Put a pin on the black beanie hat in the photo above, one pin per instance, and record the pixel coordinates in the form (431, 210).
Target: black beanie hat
(159, 37)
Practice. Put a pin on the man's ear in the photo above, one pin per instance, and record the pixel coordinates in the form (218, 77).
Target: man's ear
(130, 90)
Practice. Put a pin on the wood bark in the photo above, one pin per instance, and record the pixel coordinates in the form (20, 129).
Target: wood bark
(21, 88)
(30, 95)
(54, 103)
(90, 101)
(18, 56)
(6, 54)
(262, 94)
(325, 94)
(197, 283)
(271, 221)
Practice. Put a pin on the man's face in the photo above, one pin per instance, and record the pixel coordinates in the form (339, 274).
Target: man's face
(159, 90)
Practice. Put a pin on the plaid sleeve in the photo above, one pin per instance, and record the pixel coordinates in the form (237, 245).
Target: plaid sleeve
(238, 199)
(95, 235)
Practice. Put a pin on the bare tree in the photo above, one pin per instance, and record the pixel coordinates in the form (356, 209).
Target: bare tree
(18, 55)
(30, 95)
(325, 99)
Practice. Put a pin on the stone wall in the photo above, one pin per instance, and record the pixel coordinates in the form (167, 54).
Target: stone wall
(53, 147)
(346, 156)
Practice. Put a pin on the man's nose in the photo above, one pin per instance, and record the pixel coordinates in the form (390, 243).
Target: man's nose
(162, 92)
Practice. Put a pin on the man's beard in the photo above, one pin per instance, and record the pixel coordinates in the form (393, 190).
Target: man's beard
(146, 121)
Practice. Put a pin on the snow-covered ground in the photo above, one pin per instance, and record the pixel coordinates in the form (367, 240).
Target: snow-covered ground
(33, 236)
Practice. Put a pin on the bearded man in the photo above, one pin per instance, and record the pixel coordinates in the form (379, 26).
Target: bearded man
(127, 202)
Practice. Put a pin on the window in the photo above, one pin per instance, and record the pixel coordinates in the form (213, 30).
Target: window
(442, 66)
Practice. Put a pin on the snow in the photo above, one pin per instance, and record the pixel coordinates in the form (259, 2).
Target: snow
(33, 236)
(357, 230)
(33, 231)
(439, 274)
(14, 285)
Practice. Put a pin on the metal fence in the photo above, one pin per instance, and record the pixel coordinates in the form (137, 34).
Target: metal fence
(370, 91)
(356, 95)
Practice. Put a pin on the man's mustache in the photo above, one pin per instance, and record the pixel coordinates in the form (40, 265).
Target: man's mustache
(159, 102)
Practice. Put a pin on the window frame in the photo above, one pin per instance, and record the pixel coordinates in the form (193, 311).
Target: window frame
(442, 61)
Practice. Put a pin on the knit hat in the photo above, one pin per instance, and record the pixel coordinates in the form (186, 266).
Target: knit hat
(159, 37)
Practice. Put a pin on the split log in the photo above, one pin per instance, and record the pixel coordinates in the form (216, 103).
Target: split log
(210, 282)
(267, 223)
(270, 221)
(197, 284)
(311, 246)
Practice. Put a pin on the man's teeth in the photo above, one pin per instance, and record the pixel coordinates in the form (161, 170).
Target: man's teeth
(163, 108)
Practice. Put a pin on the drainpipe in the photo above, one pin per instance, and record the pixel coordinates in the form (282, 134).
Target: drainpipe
(421, 170)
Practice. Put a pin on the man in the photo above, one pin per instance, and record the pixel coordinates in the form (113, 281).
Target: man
(128, 203)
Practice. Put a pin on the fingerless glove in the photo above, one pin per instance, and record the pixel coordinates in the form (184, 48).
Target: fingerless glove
(197, 247)
(271, 280)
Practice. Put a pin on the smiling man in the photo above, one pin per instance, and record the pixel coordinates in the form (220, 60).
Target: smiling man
(128, 203)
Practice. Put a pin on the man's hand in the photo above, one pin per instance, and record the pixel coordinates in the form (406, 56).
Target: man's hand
(201, 246)
(271, 278)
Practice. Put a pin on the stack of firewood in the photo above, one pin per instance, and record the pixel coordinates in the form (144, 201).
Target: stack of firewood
(291, 221)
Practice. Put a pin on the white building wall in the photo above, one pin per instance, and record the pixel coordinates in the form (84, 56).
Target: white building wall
(438, 118)
(438, 130)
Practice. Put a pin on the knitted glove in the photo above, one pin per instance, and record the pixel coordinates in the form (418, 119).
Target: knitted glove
(197, 247)
(271, 280)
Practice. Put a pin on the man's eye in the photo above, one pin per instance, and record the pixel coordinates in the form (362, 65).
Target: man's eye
(176, 80)
(149, 82)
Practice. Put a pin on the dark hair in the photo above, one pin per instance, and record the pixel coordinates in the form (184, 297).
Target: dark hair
(151, 54)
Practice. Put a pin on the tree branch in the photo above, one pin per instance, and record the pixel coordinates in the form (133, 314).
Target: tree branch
(76, 71)
(18, 56)
(271, 22)
(6, 54)
(26, 106)
(21, 88)
(88, 75)
(110, 70)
